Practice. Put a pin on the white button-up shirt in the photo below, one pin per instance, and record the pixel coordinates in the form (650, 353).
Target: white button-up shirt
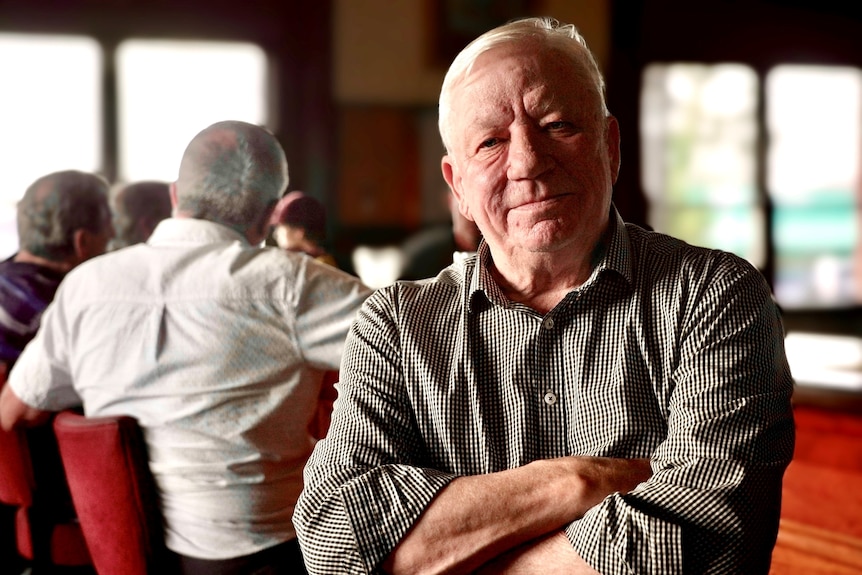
(217, 348)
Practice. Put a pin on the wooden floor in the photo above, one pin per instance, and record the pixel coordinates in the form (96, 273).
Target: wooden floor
(821, 517)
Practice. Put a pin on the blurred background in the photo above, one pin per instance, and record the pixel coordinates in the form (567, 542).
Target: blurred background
(741, 122)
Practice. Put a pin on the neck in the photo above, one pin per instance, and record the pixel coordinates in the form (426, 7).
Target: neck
(541, 282)
(25, 257)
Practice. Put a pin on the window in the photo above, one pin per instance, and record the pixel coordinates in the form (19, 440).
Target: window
(53, 115)
(702, 128)
(700, 134)
(813, 126)
(50, 113)
(699, 143)
(168, 90)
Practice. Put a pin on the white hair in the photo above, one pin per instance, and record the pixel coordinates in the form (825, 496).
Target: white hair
(548, 30)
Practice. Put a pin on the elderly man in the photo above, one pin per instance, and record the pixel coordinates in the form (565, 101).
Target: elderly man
(583, 395)
(216, 344)
(137, 208)
(63, 220)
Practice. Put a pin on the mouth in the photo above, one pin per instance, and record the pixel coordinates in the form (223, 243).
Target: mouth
(541, 203)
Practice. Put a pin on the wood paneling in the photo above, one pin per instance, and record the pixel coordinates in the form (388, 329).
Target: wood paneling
(379, 182)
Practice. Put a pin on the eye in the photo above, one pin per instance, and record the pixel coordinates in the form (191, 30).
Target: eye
(557, 126)
(489, 143)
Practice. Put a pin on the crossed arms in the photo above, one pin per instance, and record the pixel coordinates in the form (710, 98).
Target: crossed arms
(512, 519)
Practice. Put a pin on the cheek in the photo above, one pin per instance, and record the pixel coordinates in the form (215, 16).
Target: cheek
(484, 178)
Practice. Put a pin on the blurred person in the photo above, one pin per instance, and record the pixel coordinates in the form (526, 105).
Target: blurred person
(214, 343)
(63, 219)
(137, 208)
(429, 251)
(299, 224)
(581, 396)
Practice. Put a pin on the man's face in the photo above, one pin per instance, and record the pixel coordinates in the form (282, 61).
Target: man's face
(532, 161)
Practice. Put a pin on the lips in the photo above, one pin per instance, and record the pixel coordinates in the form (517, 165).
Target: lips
(541, 204)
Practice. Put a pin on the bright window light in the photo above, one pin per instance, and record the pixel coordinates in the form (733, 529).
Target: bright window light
(50, 113)
(814, 118)
(168, 90)
(825, 360)
(699, 146)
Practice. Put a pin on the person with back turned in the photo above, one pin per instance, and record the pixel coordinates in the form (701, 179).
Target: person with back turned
(63, 219)
(137, 208)
(583, 395)
(214, 343)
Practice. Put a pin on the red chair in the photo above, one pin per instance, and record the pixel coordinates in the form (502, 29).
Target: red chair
(47, 532)
(319, 425)
(114, 493)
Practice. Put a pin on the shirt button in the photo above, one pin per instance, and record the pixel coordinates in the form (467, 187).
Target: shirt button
(550, 398)
(549, 323)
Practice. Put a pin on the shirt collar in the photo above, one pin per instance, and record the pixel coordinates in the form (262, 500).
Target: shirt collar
(613, 253)
(193, 231)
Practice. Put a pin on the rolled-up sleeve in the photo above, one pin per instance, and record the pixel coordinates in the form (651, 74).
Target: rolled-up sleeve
(42, 376)
(713, 503)
(364, 485)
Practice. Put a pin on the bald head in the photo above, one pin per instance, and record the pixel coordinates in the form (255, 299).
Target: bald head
(232, 173)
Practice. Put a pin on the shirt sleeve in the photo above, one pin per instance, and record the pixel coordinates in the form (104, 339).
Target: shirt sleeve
(42, 376)
(358, 503)
(713, 503)
(327, 303)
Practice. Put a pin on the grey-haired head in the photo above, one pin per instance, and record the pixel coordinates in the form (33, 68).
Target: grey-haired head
(55, 207)
(232, 173)
(551, 32)
(138, 207)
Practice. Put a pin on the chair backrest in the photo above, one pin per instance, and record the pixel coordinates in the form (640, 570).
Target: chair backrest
(114, 493)
(16, 474)
(32, 482)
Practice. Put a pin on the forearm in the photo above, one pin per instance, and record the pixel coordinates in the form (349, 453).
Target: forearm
(549, 554)
(477, 518)
(14, 413)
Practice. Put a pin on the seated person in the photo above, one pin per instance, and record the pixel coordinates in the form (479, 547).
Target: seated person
(582, 395)
(427, 252)
(214, 343)
(63, 220)
(299, 224)
(137, 208)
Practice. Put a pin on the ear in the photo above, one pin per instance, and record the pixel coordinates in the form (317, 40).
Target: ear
(612, 141)
(87, 244)
(258, 232)
(80, 242)
(172, 189)
(453, 179)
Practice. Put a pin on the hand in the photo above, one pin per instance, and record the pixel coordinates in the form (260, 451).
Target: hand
(594, 479)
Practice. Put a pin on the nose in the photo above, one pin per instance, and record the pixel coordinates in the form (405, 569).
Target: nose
(528, 156)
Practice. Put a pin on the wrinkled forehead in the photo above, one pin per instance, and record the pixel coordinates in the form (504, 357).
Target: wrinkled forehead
(535, 77)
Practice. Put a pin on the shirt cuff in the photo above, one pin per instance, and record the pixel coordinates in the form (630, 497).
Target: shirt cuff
(384, 503)
(615, 538)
